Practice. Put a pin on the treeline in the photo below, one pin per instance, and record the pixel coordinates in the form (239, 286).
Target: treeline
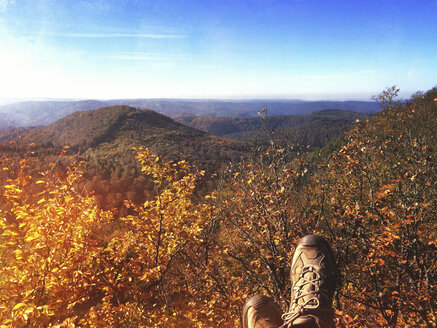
(313, 130)
(182, 259)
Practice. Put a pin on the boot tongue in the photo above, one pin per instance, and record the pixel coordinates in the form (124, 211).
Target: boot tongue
(311, 253)
(312, 277)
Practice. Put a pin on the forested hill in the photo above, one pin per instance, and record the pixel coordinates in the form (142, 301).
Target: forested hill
(105, 139)
(91, 128)
(315, 129)
(111, 132)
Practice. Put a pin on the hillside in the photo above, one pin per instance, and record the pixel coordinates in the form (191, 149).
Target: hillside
(88, 131)
(31, 113)
(315, 129)
(105, 138)
(6, 124)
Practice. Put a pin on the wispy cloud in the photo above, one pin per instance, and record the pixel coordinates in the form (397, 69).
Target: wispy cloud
(4, 4)
(118, 35)
(146, 56)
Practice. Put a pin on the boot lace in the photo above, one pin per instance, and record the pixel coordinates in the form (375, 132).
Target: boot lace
(305, 285)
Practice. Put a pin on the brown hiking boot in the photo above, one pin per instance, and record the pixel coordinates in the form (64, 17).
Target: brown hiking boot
(314, 280)
(261, 312)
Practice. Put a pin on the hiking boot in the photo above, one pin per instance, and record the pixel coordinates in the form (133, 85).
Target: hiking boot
(314, 281)
(261, 312)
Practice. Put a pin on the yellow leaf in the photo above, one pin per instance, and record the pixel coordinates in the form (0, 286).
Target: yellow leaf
(40, 181)
(17, 306)
(31, 237)
(42, 200)
(18, 254)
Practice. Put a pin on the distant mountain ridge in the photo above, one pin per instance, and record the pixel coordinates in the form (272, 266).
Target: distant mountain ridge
(35, 113)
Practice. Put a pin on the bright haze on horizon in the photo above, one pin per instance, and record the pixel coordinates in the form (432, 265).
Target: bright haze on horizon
(308, 49)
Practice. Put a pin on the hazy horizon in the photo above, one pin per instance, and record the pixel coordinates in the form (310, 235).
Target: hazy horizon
(236, 99)
(231, 50)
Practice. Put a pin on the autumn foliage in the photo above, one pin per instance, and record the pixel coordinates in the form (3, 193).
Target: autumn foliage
(186, 259)
(65, 262)
(379, 207)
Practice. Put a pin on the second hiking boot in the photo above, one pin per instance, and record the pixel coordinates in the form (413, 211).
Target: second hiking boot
(314, 281)
(261, 312)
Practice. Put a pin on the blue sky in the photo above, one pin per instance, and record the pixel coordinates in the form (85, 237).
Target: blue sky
(309, 49)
